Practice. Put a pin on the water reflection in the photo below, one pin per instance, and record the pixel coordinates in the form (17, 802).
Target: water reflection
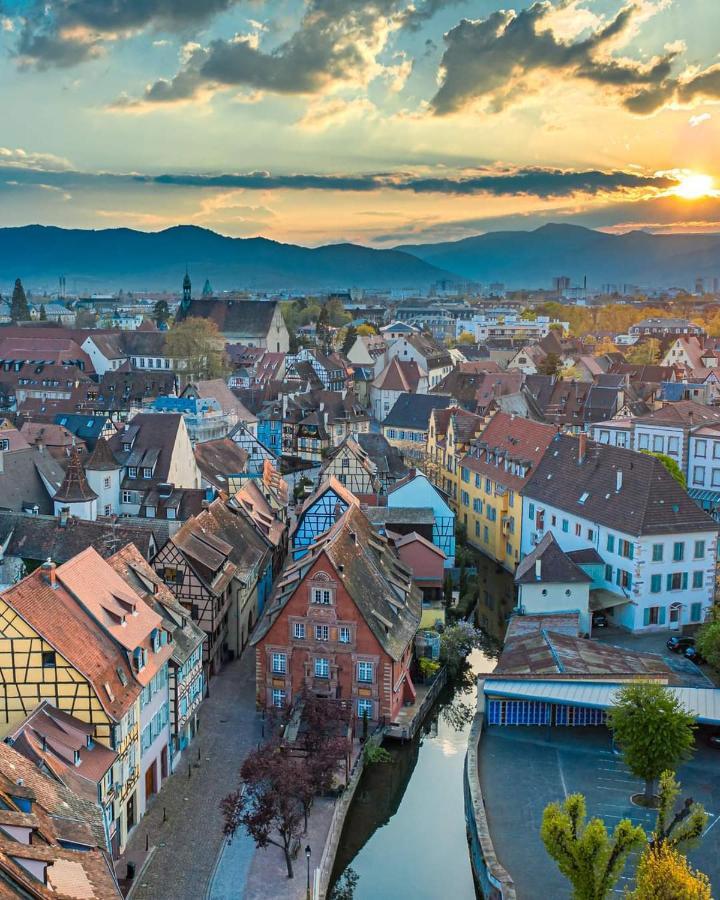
(405, 833)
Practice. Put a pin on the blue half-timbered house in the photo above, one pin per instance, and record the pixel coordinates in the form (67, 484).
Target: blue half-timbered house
(415, 490)
(319, 512)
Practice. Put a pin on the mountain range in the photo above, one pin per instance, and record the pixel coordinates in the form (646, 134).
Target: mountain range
(534, 258)
(114, 258)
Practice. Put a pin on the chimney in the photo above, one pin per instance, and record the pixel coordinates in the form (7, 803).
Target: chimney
(538, 569)
(48, 573)
(618, 480)
(582, 447)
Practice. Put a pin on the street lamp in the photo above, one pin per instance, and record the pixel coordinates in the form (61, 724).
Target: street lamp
(308, 851)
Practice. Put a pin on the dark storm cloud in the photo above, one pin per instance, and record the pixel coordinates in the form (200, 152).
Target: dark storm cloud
(491, 59)
(535, 182)
(63, 33)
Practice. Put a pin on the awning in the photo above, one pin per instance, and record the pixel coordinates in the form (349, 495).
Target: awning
(704, 496)
(602, 599)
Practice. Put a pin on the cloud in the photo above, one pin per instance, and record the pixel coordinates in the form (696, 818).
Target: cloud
(498, 60)
(497, 181)
(336, 43)
(64, 33)
(414, 17)
(698, 120)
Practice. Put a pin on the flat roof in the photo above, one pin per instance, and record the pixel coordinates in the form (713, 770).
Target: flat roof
(703, 703)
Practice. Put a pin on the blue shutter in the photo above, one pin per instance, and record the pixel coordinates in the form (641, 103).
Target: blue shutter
(661, 619)
(646, 617)
(684, 580)
(631, 554)
(668, 582)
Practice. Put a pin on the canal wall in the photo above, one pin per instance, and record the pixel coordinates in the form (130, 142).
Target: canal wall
(494, 881)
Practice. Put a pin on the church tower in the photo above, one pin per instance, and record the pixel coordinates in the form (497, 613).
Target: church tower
(187, 293)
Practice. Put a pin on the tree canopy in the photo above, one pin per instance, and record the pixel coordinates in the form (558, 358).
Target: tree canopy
(664, 874)
(19, 309)
(653, 729)
(708, 640)
(670, 464)
(199, 343)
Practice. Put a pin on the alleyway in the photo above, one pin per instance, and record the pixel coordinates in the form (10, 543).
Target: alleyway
(187, 844)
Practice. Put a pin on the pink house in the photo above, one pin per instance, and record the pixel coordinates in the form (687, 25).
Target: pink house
(425, 561)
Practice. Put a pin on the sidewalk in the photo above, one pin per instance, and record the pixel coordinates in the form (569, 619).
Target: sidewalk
(186, 846)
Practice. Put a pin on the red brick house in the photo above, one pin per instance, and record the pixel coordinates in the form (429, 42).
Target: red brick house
(341, 623)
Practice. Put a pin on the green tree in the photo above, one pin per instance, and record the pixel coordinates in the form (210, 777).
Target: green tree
(644, 353)
(199, 348)
(336, 315)
(672, 467)
(161, 313)
(664, 874)
(344, 887)
(653, 729)
(19, 309)
(456, 642)
(708, 639)
(587, 856)
(466, 337)
(43, 313)
(551, 365)
(683, 828)
(350, 337)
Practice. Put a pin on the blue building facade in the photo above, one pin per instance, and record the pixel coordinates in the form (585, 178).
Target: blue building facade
(417, 491)
(319, 513)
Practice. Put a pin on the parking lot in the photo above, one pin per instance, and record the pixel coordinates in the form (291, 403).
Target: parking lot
(522, 769)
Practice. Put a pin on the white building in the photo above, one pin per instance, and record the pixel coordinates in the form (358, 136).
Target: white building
(658, 547)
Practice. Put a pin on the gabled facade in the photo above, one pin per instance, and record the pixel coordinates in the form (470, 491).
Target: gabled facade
(354, 469)
(341, 624)
(430, 356)
(318, 513)
(257, 452)
(417, 491)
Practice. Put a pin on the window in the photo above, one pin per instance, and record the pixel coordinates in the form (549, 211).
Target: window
(715, 478)
(278, 698)
(699, 550)
(623, 579)
(658, 443)
(465, 474)
(132, 471)
(147, 472)
(699, 473)
(716, 450)
(465, 498)
(678, 551)
(565, 525)
(657, 553)
(365, 708)
(477, 529)
(697, 581)
(48, 659)
(625, 548)
(611, 543)
(322, 633)
(553, 521)
(677, 581)
(511, 499)
(531, 510)
(322, 667)
(279, 664)
(695, 612)
(106, 483)
(608, 573)
(488, 486)
(322, 596)
(578, 529)
(477, 505)
(701, 448)
(590, 534)
(344, 634)
(486, 534)
(365, 672)
(655, 584)
(643, 442)
(477, 480)
(128, 497)
(299, 631)
(673, 445)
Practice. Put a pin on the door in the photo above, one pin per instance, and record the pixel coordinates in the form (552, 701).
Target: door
(130, 814)
(164, 763)
(150, 781)
(675, 614)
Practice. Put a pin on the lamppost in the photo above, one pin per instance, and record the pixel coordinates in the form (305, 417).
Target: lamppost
(308, 851)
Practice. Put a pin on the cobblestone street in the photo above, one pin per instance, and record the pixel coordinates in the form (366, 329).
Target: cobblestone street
(188, 843)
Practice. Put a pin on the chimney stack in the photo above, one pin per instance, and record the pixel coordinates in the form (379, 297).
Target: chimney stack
(48, 573)
(618, 480)
(582, 447)
(538, 569)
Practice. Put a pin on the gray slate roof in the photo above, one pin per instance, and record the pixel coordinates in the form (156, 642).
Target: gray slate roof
(556, 567)
(413, 410)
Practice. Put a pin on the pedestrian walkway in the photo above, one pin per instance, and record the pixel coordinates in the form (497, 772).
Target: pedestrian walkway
(187, 839)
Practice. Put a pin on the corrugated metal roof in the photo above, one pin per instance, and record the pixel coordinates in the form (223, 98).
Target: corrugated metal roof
(704, 703)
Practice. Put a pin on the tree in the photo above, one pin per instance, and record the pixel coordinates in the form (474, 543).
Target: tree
(644, 353)
(672, 467)
(466, 337)
(344, 887)
(350, 338)
(664, 874)
(19, 309)
(43, 313)
(587, 856)
(551, 365)
(707, 639)
(653, 729)
(682, 828)
(366, 329)
(603, 346)
(199, 347)
(455, 644)
(161, 313)
(268, 804)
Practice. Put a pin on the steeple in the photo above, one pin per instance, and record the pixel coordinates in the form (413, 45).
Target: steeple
(101, 459)
(207, 290)
(187, 290)
(75, 488)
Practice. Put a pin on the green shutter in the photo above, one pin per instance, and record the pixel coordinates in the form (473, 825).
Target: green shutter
(684, 581)
(632, 551)
(669, 582)
(646, 617)
(661, 619)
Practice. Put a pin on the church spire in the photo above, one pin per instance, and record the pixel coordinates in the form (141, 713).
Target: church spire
(75, 488)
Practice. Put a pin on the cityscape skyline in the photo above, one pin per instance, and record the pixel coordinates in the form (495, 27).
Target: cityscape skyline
(379, 124)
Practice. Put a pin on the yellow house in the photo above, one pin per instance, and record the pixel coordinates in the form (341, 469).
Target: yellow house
(52, 648)
(450, 433)
(491, 480)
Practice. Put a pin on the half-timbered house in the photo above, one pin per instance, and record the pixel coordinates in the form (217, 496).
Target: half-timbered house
(354, 469)
(319, 512)
(341, 624)
(416, 490)
(219, 567)
(257, 452)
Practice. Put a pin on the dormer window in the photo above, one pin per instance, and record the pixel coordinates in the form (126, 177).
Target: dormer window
(147, 472)
(132, 471)
(127, 447)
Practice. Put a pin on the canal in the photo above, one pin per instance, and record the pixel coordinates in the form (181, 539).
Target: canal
(405, 831)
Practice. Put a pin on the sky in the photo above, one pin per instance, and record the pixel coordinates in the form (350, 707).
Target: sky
(381, 122)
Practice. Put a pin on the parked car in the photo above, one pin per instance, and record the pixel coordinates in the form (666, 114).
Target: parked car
(713, 739)
(680, 644)
(693, 654)
(599, 620)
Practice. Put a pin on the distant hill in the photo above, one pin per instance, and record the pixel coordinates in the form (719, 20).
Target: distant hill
(533, 258)
(117, 258)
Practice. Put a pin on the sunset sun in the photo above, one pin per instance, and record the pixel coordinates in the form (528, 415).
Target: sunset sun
(693, 187)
